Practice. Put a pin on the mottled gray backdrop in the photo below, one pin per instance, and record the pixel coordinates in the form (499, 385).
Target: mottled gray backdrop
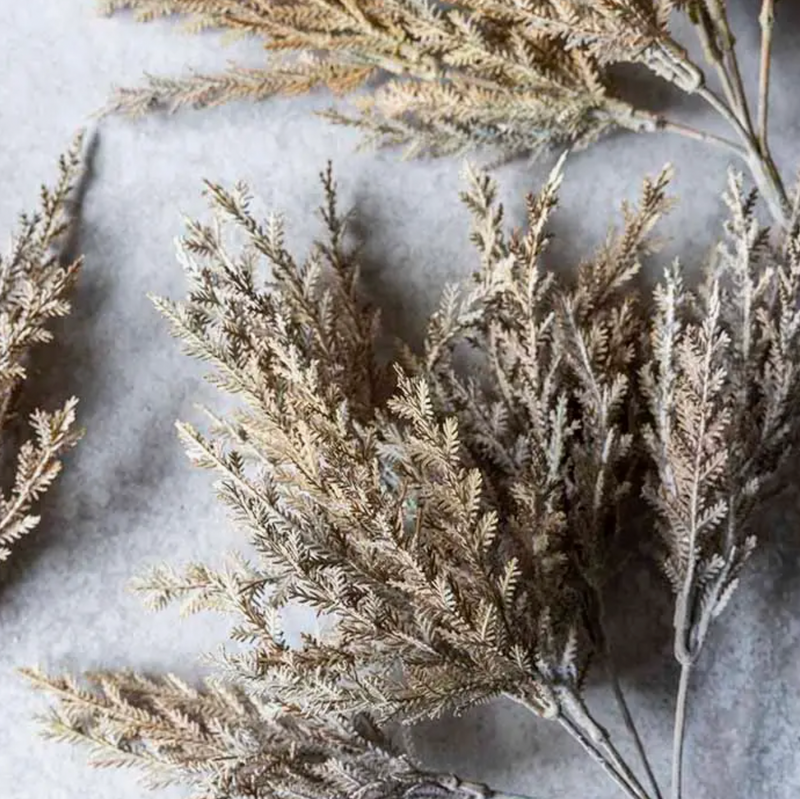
(128, 497)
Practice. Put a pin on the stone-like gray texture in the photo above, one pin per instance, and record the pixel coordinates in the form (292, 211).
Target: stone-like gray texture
(129, 498)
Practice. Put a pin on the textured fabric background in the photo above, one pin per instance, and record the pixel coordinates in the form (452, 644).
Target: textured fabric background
(129, 498)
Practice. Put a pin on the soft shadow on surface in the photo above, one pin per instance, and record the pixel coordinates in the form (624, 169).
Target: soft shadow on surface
(57, 370)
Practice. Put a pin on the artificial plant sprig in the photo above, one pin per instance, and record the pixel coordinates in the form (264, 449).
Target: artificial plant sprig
(453, 529)
(35, 284)
(722, 386)
(515, 77)
(433, 521)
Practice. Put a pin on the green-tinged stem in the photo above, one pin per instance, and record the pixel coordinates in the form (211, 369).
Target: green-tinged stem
(679, 732)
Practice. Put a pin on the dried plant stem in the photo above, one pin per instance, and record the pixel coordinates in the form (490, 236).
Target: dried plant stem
(593, 739)
(679, 731)
(619, 696)
(758, 158)
(714, 58)
(627, 717)
(678, 128)
(759, 163)
(767, 21)
(451, 783)
(606, 763)
(723, 36)
(579, 717)
(718, 47)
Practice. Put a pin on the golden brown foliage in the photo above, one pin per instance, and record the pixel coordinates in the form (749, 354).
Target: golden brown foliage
(444, 78)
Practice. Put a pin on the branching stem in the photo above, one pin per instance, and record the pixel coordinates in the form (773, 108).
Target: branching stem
(451, 783)
(599, 757)
(593, 739)
(622, 704)
(718, 46)
(761, 166)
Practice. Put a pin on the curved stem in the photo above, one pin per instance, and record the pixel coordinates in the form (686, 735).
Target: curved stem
(593, 740)
(579, 712)
(735, 112)
(679, 731)
(760, 164)
(724, 110)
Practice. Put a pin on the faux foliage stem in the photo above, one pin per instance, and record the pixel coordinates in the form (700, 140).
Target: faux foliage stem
(619, 696)
(593, 741)
(717, 15)
(767, 21)
(609, 748)
(453, 783)
(680, 731)
(688, 132)
(599, 757)
(735, 112)
(760, 165)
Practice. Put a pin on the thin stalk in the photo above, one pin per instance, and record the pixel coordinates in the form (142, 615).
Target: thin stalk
(713, 57)
(634, 732)
(761, 167)
(593, 741)
(622, 704)
(688, 132)
(679, 731)
(451, 783)
(719, 16)
(600, 758)
(760, 164)
(738, 88)
(647, 122)
(767, 20)
(601, 738)
(724, 110)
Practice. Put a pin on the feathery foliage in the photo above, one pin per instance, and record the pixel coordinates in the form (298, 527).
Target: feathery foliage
(34, 289)
(445, 78)
(452, 528)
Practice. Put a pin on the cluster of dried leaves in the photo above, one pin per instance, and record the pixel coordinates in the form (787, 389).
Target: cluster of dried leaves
(510, 75)
(454, 528)
(35, 285)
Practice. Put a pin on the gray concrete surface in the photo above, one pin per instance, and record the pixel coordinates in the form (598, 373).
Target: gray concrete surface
(129, 498)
